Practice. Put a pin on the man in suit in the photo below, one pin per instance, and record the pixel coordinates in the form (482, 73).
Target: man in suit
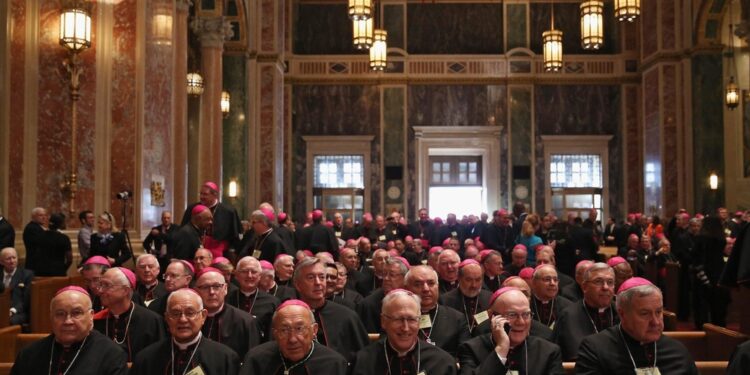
(7, 233)
(159, 239)
(33, 235)
(18, 281)
(225, 230)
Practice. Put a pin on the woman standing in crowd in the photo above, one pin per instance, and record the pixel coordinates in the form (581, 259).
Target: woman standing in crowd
(109, 242)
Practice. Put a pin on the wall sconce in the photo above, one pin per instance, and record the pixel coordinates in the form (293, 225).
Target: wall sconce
(232, 191)
(713, 181)
(75, 36)
(194, 84)
(161, 25)
(732, 96)
(225, 103)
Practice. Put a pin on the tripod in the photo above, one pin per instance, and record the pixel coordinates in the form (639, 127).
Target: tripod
(124, 222)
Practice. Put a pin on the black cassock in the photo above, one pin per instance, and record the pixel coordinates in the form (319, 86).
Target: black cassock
(316, 238)
(448, 329)
(269, 245)
(147, 295)
(572, 292)
(467, 306)
(260, 305)
(533, 356)
(185, 241)
(234, 328)
(547, 313)
(340, 329)
(369, 310)
(537, 330)
(266, 360)
(739, 362)
(144, 328)
(607, 353)
(98, 356)
(379, 358)
(578, 321)
(212, 357)
(226, 222)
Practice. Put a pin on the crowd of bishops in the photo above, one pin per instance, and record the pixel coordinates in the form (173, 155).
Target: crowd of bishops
(517, 293)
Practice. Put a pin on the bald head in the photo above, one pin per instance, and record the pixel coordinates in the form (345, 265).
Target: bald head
(9, 259)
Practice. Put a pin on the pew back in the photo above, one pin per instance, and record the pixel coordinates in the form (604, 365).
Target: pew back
(5, 306)
(8, 343)
(25, 339)
(42, 291)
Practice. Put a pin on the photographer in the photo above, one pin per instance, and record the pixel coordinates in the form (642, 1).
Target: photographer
(109, 242)
(710, 301)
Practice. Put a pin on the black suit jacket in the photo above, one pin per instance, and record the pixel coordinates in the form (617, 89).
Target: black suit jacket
(214, 358)
(226, 226)
(317, 238)
(477, 356)
(33, 241)
(7, 234)
(20, 294)
(152, 243)
(186, 241)
(117, 248)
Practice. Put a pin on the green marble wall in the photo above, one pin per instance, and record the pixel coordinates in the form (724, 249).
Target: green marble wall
(517, 24)
(520, 99)
(708, 130)
(235, 142)
(394, 108)
(394, 23)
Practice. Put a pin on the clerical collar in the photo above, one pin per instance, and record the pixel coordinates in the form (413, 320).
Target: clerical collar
(430, 310)
(314, 309)
(74, 346)
(151, 286)
(542, 301)
(219, 311)
(117, 316)
(187, 344)
(402, 354)
(248, 294)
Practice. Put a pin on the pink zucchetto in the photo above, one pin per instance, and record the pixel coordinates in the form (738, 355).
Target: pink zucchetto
(484, 254)
(268, 214)
(207, 270)
(211, 185)
(632, 283)
(404, 261)
(198, 209)
(265, 265)
(188, 265)
(500, 292)
(97, 259)
(519, 246)
(317, 215)
(408, 238)
(446, 242)
(526, 273)
(467, 262)
(292, 302)
(615, 261)
(281, 217)
(128, 275)
(74, 288)
(221, 260)
(435, 249)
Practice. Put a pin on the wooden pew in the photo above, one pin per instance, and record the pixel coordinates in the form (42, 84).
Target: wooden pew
(720, 342)
(672, 285)
(42, 291)
(25, 339)
(695, 341)
(670, 321)
(8, 343)
(5, 368)
(704, 367)
(5, 306)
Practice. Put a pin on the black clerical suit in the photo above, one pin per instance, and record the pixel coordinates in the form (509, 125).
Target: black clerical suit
(266, 359)
(446, 286)
(494, 283)
(447, 329)
(348, 295)
(112, 245)
(534, 356)
(33, 241)
(499, 238)
(212, 357)
(317, 238)
(260, 305)
(537, 330)
(607, 353)
(573, 292)
(147, 295)
(281, 292)
(287, 237)
(468, 307)
(369, 310)
(425, 231)
(340, 329)
(20, 295)
(55, 256)
(379, 358)
(264, 246)
(578, 321)
(7, 234)
(185, 241)
(234, 328)
(226, 222)
(144, 328)
(98, 355)
(547, 313)
(739, 362)
(153, 244)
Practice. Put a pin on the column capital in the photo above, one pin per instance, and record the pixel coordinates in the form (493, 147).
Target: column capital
(183, 5)
(212, 31)
(742, 30)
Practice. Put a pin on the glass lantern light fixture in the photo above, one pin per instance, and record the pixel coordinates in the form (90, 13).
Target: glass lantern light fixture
(194, 84)
(360, 9)
(627, 10)
(378, 51)
(592, 24)
(362, 31)
(225, 102)
(75, 26)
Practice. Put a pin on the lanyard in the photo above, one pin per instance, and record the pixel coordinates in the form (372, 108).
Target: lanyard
(551, 311)
(619, 327)
(611, 317)
(388, 361)
(127, 327)
(470, 319)
(249, 311)
(52, 352)
(287, 370)
(191, 356)
(433, 322)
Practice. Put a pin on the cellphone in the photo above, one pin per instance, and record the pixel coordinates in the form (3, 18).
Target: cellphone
(506, 327)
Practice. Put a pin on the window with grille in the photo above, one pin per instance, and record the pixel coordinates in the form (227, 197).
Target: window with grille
(456, 170)
(338, 171)
(575, 171)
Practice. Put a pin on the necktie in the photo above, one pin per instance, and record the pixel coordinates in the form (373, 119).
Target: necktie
(6, 280)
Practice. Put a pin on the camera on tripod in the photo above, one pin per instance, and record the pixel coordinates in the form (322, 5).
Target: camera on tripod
(124, 195)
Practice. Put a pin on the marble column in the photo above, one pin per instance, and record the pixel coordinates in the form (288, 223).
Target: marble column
(211, 31)
(179, 102)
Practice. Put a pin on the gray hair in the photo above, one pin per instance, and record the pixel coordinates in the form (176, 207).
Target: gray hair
(258, 215)
(188, 271)
(401, 266)
(189, 292)
(144, 257)
(596, 268)
(312, 316)
(122, 280)
(307, 262)
(540, 268)
(410, 274)
(624, 299)
(388, 299)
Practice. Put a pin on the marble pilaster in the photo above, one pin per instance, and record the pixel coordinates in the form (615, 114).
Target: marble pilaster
(180, 110)
(16, 118)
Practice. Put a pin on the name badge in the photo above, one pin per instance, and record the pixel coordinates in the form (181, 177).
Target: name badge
(256, 254)
(196, 371)
(481, 317)
(338, 234)
(422, 373)
(425, 322)
(512, 372)
(429, 341)
(381, 237)
(394, 232)
(647, 371)
(454, 234)
(552, 326)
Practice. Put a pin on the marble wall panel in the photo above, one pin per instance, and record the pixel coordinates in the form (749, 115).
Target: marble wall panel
(669, 134)
(393, 139)
(708, 134)
(157, 148)
(17, 28)
(54, 116)
(520, 105)
(567, 19)
(634, 146)
(517, 26)
(649, 21)
(443, 28)
(322, 29)
(393, 21)
(333, 110)
(580, 110)
(266, 173)
(124, 93)
(270, 35)
(235, 145)
(652, 144)
(668, 24)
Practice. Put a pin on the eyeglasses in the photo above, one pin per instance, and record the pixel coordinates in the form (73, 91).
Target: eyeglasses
(512, 315)
(286, 332)
(332, 277)
(61, 315)
(189, 314)
(601, 282)
(172, 276)
(208, 288)
(405, 320)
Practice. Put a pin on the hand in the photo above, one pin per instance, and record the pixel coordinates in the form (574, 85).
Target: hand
(154, 232)
(502, 340)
